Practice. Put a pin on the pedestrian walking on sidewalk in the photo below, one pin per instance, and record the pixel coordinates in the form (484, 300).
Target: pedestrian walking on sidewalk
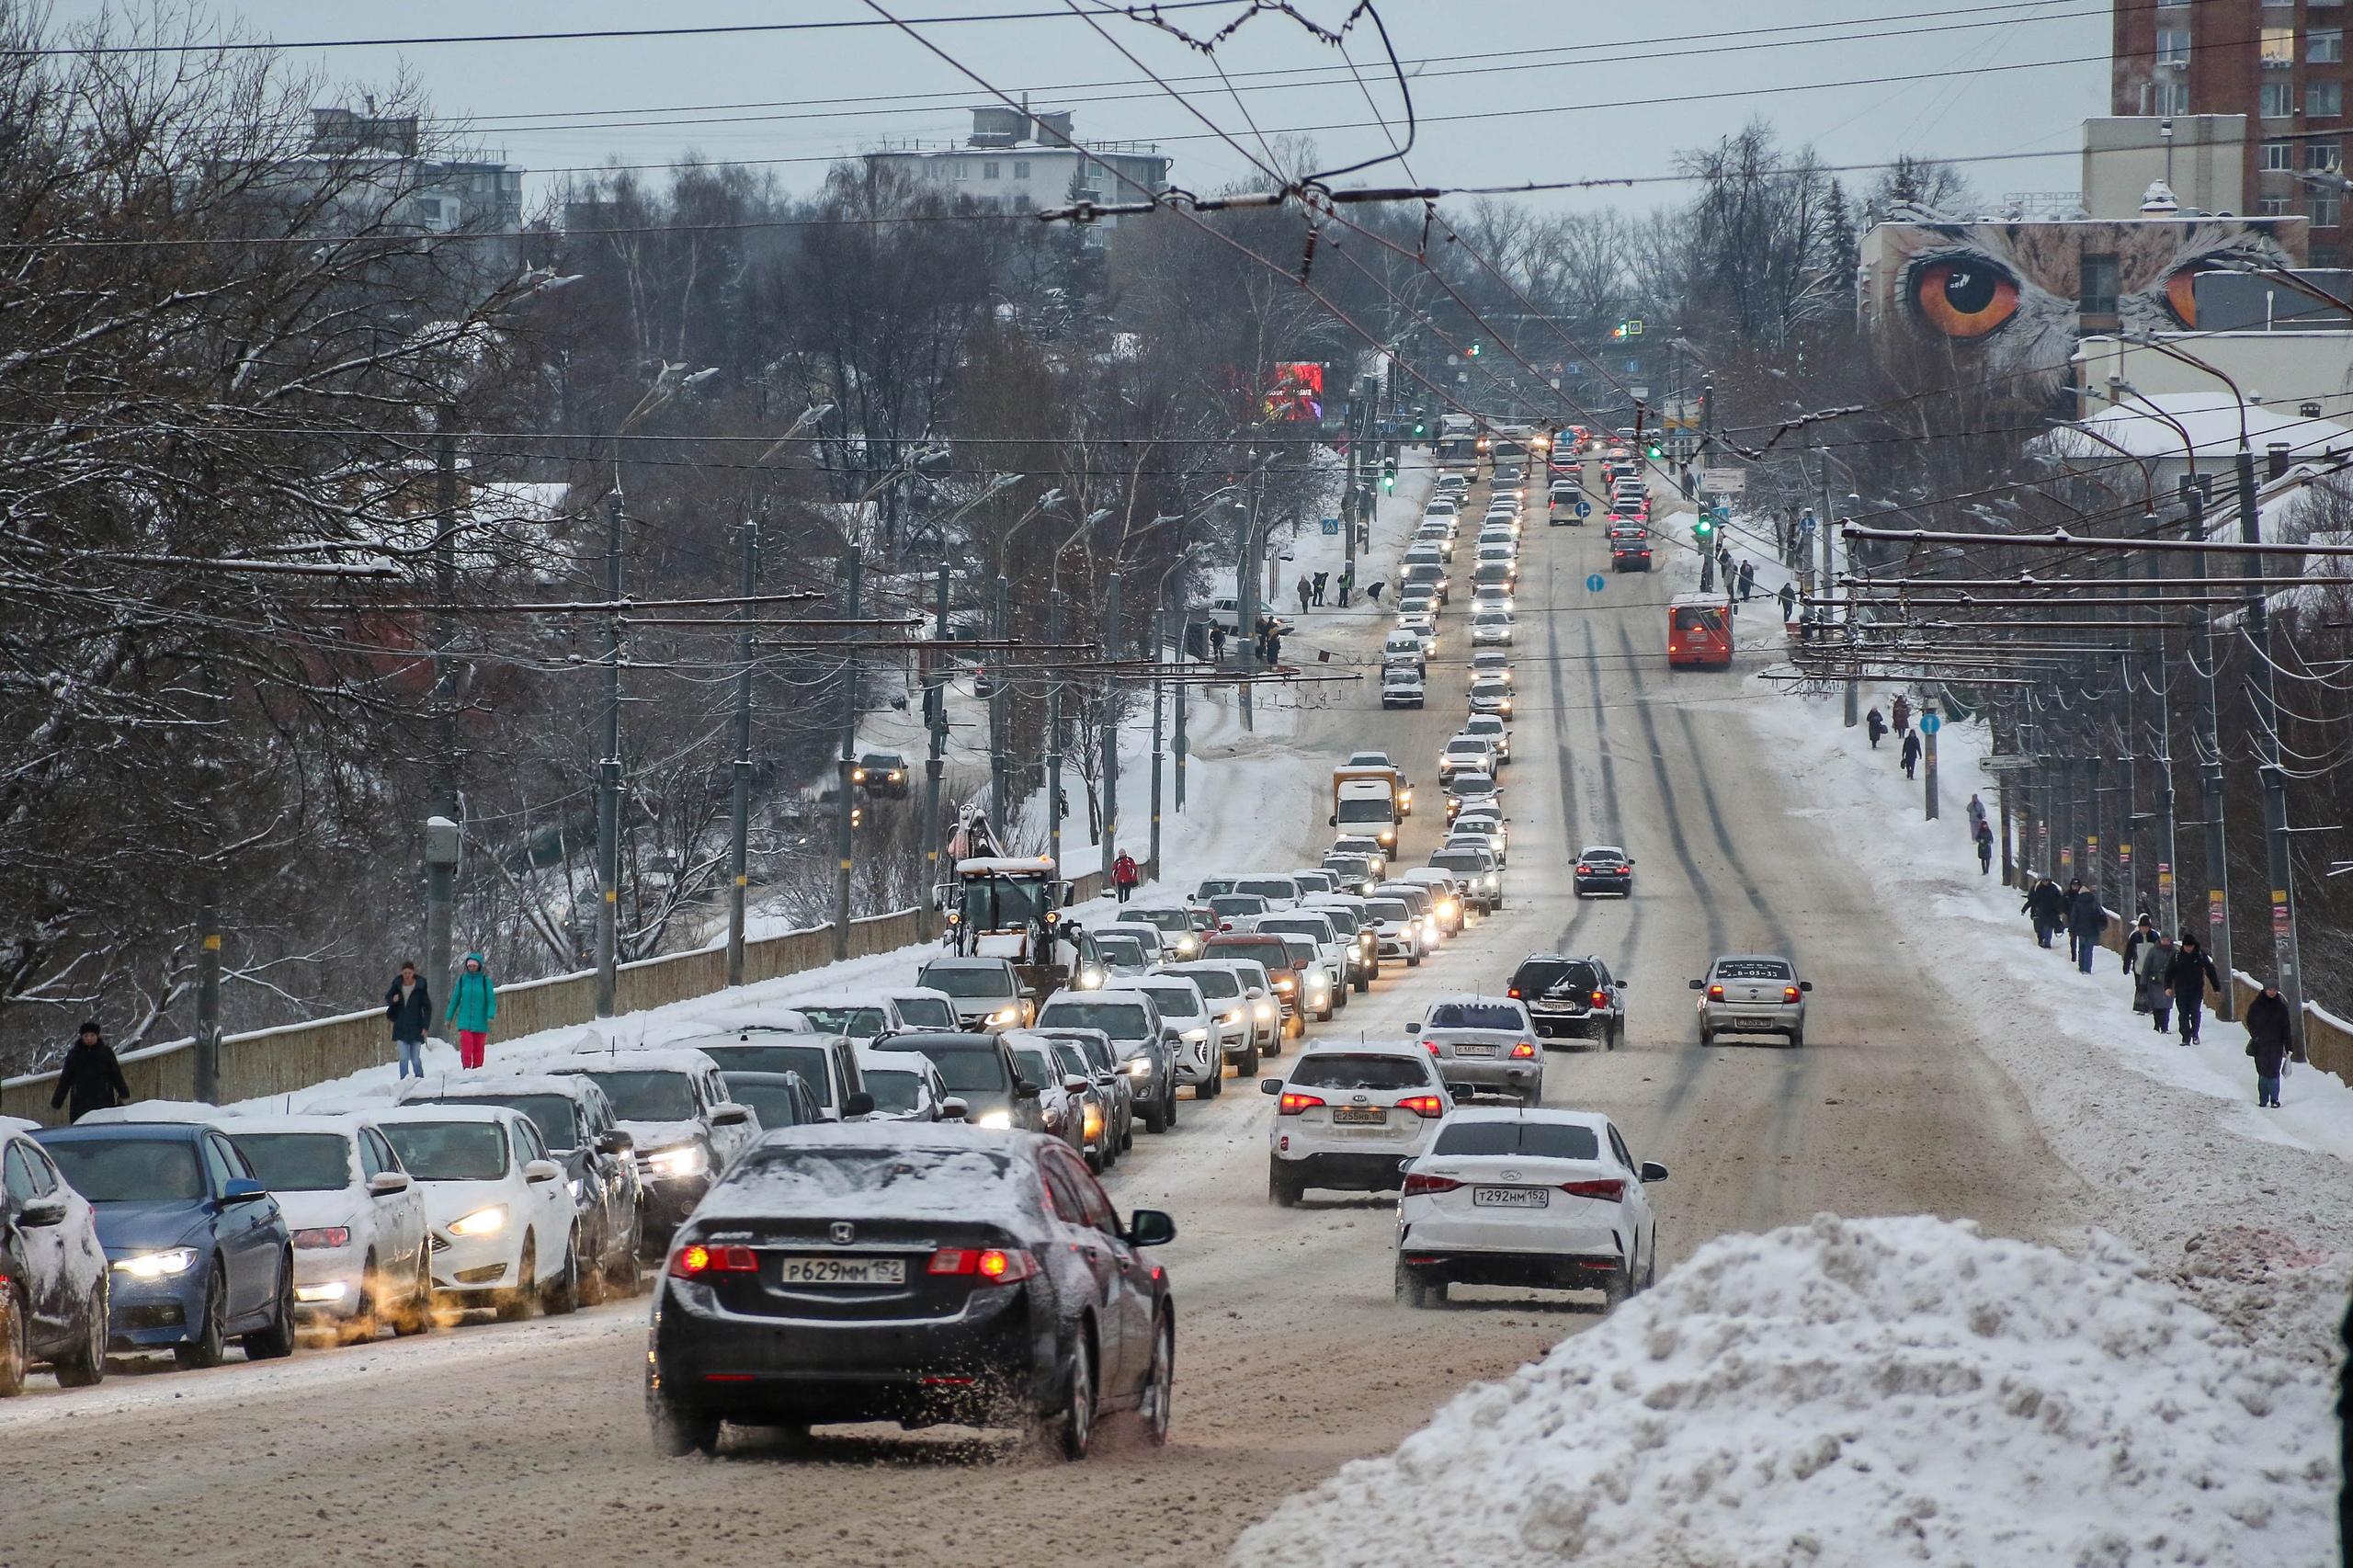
(2046, 906)
(1874, 720)
(2087, 917)
(1123, 876)
(1903, 714)
(2143, 932)
(2187, 979)
(473, 1001)
(1217, 644)
(91, 1077)
(1984, 849)
(1788, 598)
(410, 1008)
(1911, 752)
(1747, 580)
(1976, 810)
(1305, 590)
(2268, 1039)
(2067, 913)
(2149, 966)
(1320, 577)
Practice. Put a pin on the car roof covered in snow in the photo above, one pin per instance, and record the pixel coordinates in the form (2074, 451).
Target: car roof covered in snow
(980, 1172)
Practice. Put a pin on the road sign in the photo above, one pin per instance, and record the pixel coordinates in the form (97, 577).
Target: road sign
(2217, 911)
(1584, 508)
(1596, 582)
(1331, 525)
(1724, 480)
(2008, 764)
(1931, 723)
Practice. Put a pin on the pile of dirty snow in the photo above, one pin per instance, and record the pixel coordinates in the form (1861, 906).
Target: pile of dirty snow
(1857, 1391)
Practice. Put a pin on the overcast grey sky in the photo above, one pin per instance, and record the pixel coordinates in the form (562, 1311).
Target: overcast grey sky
(1509, 90)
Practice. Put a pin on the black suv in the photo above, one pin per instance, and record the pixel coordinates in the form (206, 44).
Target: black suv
(882, 774)
(1571, 998)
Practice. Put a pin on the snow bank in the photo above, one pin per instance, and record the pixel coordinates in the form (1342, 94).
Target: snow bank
(1857, 1391)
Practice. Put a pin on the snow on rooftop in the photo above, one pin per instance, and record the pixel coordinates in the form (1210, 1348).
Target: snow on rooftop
(2211, 420)
(1858, 1393)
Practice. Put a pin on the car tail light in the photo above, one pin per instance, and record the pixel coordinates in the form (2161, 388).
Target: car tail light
(1789, 993)
(694, 1261)
(1430, 1046)
(1715, 992)
(1513, 993)
(1292, 1105)
(1424, 1105)
(1609, 1188)
(1601, 999)
(324, 1236)
(1585, 870)
(1523, 1051)
(990, 1265)
(1417, 1184)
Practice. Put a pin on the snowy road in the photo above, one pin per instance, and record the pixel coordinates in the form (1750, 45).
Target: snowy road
(529, 1442)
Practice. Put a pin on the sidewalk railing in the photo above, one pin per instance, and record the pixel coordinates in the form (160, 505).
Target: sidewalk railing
(293, 1057)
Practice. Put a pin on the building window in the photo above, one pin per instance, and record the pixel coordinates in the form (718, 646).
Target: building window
(1021, 168)
(2272, 207)
(2327, 157)
(2324, 100)
(2327, 208)
(988, 170)
(2173, 98)
(2323, 46)
(2172, 46)
(963, 171)
(2278, 48)
(2099, 280)
(2275, 101)
(2279, 156)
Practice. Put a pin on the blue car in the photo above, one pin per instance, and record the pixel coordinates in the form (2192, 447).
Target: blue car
(198, 1251)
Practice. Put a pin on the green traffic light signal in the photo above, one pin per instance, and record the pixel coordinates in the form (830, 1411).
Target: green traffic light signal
(1389, 481)
(1705, 526)
(1474, 351)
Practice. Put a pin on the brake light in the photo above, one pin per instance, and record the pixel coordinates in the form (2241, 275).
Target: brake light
(1424, 1105)
(1523, 1051)
(1292, 1105)
(1789, 993)
(1423, 1185)
(990, 1265)
(1430, 1046)
(1715, 992)
(1601, 999)
(694, 1261)
(1609, 1188)
(1513, 993)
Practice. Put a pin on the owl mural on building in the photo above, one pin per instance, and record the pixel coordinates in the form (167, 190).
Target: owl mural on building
(2011, 297)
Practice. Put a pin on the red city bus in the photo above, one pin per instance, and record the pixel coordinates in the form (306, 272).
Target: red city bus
(1699, 632)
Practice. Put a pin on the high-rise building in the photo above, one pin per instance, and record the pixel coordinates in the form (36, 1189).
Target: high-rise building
(2281, 64)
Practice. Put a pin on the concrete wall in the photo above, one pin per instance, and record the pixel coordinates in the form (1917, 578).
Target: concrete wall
(2206, 169)
(2287, 370)
(294, 1056)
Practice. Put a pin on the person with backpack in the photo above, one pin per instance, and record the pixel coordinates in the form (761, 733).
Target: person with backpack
(1123, 876)
(2087, 918)
(473, 1003)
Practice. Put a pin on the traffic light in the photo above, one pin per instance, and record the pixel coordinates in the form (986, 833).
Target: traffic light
(1475, 350)
(858, 816)
(1704, 527)
(1657, 452)
(1421, 426)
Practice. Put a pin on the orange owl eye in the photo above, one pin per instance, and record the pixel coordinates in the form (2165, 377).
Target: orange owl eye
(2181, 294)
(1964, 299)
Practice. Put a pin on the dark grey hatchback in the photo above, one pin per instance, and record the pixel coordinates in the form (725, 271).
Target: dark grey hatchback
(917, 1273)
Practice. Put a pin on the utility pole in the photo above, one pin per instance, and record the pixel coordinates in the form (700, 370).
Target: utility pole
(2169, 909)
(1000, 621)
(845, 806)
(1829, 576)
(1184, 625)
(2288, 970)
(1929, 724)
(440, 876)
(1110, 725)
(1159, 703)
(2128, 889)
(934, 713)
(1054, 735)
(739, 805)
(208, 986)
(609, 775)
(2218, 866)
(1351, 502)
(1246, 593)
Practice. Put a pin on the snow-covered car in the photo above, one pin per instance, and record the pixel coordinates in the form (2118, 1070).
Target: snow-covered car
(54, 1273)
(1401, 686)
(863, 1015)
(1402, 647)
(673, 1104)
(1180, 929)
(1493, 628)
(905, 1085)
(198, 1251)
(1350, 1116)
(1125, 956)
(1146, 1048)
(1346, 912)
(1491, 662)
(1229, 907)
(1335, 949)
(1468, 790)
(361, 1255)
(826, 1062)
(922, 1008)
(1158, 948)
(779, 1099)
(1530, 1198)
(1447, 906)
(979, 1070)
(1362, 843)
(505, 1232)
(1221, 984)
(1096, 1097)
(583, 1135)
(1191, 1028)
(1486, 1044)
(1356, 872)
(1489, 821)
(1475, 869)
(1465, 753)
(1489, 695)
(987, 993)
(1752, 994)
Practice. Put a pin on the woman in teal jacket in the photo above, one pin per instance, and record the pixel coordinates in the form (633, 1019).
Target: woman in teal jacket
(473, 1001)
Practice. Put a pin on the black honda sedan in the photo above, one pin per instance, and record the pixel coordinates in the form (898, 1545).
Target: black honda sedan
(922, 1273)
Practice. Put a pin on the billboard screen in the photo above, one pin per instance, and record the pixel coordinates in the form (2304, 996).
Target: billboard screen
(1295, 391)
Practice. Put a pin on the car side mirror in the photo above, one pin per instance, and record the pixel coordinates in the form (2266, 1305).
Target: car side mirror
(728, 1114)
(953, 1108)
(1805, 984)
(239, 1190)
(385, 1184)
(1332, 821)
(1076, 1084)
(1696, 986)
(541, 1170)
(1271, 1085)
(1023, 1089)
(615, 1143)
(1462, 1094)
(1654, 1171)
(42, 1213)
(1150, 1227)
(857, 1103)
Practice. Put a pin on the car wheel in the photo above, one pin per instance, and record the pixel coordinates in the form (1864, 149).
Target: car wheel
(1168, 1107)
(628, 1275)
(1413, 959)
(1706, 1035)
(1246, 1064)
(360, 1326)
(1076, 1417)
(1160, 1382)
(212, 1343)
(1282, 1189)
(1414, 1289)
(561, 1296)
(1616, 1288)
(87, 1362)
(1363, 983)
(1650, 1262)
(1157, 1116)
(15, 1343)
(1797, 1037)
(677, 1433)
(276, 1341)
(1094, 1161)
(593, 1286)
(523, 1300)
(416, 1315)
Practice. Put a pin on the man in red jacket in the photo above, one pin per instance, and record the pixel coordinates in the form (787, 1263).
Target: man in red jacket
(1124, 875)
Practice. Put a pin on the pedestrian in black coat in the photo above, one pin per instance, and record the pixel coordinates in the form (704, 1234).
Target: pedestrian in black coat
(2144, 931)
(1911, 752)
(1789, 602)
(91, 1079)
(1876, 722)
(2268, 1039)
(2046, 906)
(2087, 918)
(2187, 979)
(1747, 580)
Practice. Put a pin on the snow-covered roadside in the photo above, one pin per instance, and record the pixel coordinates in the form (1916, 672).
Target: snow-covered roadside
(1858, 1393)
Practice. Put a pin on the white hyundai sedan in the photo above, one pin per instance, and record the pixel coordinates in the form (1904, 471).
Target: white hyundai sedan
(361, 1253)
(502, 1223)
(1527, 1198)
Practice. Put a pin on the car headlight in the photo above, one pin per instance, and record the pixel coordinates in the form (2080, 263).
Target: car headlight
(1141, 1067)
(857, 776)
(1005, 1018)
(1090, 979)
(997, 1120)
(1232, 1017)
(1188, 947)
(158, 1264)
(683, 1160)
(573, 1184)
(481, 1222)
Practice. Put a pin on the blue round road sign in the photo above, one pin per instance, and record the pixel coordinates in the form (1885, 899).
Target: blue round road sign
(1584, 508)
(1596, 582)
(1931, 723)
